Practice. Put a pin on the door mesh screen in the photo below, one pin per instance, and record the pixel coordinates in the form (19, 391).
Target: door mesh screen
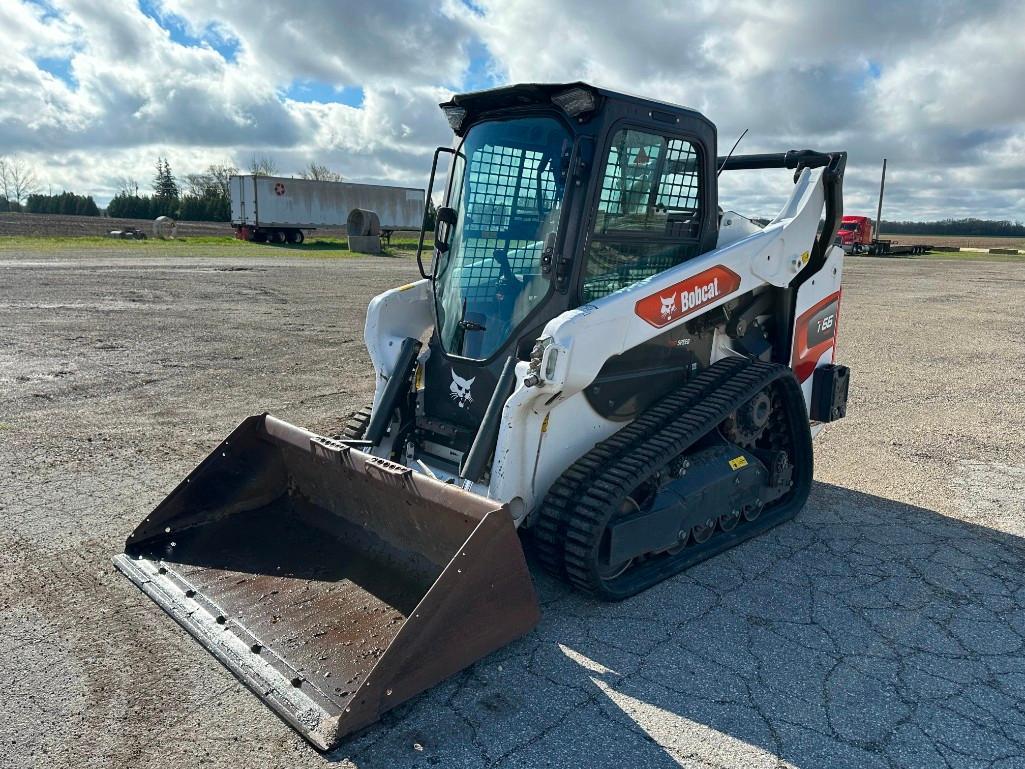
(612, 266)
(509, 195)
(678, 187)
(648, 216)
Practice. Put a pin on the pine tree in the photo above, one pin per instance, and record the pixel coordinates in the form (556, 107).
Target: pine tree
(164, 185)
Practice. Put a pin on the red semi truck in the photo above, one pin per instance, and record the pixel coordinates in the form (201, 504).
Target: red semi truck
(855, 233)
(855, 236)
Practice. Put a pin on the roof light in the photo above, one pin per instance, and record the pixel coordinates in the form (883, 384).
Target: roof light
(455, 116)
(575, 101)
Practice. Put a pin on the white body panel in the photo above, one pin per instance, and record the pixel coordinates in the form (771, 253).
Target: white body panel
(531, 452)
(733, 227)
(406, 311)
(823, 285)
(272, 201)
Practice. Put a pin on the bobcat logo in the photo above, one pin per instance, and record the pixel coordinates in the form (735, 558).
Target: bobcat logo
(668, 306)
(459, 390)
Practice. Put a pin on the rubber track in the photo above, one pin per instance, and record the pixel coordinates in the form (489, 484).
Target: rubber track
(548, 532)
(581, 503)
(356, 427)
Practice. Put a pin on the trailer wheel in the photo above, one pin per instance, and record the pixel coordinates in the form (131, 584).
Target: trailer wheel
(277, 237)
(294, 236)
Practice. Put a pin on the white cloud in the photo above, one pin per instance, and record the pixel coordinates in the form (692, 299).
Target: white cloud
(385, 42)
(932, 85)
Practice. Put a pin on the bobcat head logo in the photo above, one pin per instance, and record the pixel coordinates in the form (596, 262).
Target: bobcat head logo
(459, 390)
(668, 306)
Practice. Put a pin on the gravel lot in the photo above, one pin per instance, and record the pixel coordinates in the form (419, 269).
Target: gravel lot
(883, 627)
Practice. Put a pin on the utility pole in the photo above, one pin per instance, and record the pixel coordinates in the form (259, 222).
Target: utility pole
(879, 211)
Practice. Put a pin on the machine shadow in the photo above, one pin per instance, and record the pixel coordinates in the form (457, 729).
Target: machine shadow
(862, 633)
(312, 245)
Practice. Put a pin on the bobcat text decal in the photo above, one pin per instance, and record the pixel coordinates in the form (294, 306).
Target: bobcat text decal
(683, 298)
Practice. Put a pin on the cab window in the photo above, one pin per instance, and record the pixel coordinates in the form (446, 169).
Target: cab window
(648, 217)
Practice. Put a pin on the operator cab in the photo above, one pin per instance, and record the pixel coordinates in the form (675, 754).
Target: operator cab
(557, 196)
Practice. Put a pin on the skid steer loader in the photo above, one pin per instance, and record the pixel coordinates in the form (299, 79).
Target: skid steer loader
(597, 355)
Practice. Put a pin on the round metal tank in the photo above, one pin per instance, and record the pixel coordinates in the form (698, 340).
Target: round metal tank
(362, 222)
(164, 227)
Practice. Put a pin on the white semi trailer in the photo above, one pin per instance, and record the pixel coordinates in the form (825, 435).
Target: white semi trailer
(276, 209)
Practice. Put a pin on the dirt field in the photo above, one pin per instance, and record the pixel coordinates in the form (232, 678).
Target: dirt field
(966, 241)
(50, 225)
(54, 225)
(883, 627)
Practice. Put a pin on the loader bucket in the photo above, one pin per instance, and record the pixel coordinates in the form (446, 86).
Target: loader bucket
(333, 583)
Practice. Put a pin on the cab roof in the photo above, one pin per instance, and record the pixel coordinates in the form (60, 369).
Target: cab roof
(478, 103)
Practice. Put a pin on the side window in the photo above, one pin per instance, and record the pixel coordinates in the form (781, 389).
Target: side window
(649, 213)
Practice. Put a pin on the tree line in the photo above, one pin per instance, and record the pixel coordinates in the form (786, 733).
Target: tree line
(62, 203)
(205, 197)
(963, 227)
(202, 197)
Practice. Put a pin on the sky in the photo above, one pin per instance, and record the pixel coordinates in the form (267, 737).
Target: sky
(95, 90)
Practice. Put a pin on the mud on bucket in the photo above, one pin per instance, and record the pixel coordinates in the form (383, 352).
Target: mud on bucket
(335, 584)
